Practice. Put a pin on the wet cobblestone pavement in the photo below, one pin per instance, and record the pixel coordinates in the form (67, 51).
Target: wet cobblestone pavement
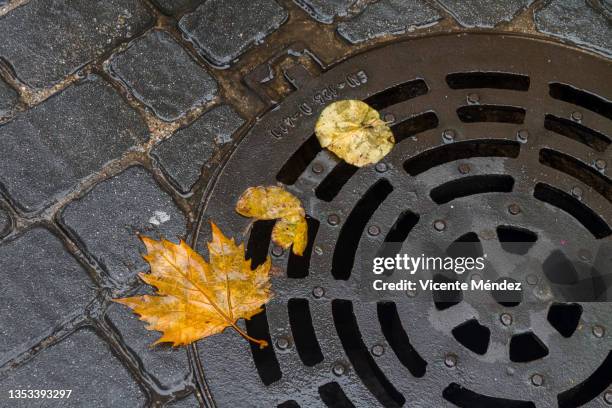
(113, 117)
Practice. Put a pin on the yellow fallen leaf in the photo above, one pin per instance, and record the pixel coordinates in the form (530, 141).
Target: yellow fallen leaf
(354, 131)
(195, 298)
(271, 203)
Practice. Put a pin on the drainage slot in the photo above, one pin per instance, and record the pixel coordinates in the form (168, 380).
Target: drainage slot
(397, 94)
(491, 113)
(444, 299)
(565, 317)
(587, 100)
(560, 270)
(357, 352)
(348, 241)
(298, 266)
(493, 80)
(516, 240)
(459, 151)
(406, 221)
(577, 169)
(397, 338)
(414, 125)
(526, 347)
(303, 332)
(265, 359)
(334, 397)
(577, 132)
(507, 298)
(590, 388)
(473, 336)
(467, 245)
(464, 398)
(583, 214)
(299, 161)
(288, 404)
(259, 242)
(331, 185)
(471, 185)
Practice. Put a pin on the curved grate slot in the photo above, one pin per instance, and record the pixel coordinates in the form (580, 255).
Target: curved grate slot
(414, 125)
(397, 94)
(492, 80)
(526, 347)
(575, 96)
(445, 299)
(465, 398)
(331, 185)
(473, 336)
(363, 362)
(516, 240)
(299, 161)
(590, 388)
(491, 113)
(460, 151)
(303, 331)
(265, 358)
(397, 338)
(565, 317)
(575, 131)
(298, 266)
(577, 169)
(350, 234)
(288, 404)
(583, 214)
(333, 396)
(471, 185)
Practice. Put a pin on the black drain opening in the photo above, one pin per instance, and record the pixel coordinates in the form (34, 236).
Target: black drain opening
(333, 396)
(331, 185)
(590, 388)
(526, 347)
(493, 80)
(464, 398)
(288, 404)
(471, 185)
(559, 269)
(516, 240)
(565, 317)
(491, 113)
(577, 132)
(299, 161)
(474, 336)
(414, 125)
(587, 100)
(298, 266)
(303, 331)
(398, 93)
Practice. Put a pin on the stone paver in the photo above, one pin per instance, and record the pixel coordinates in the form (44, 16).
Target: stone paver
(163, 76)
(224, 29)
(184, 154)
(576, 21)
(40, 283)
(48, 149)
(326, 10)
(8, 98)
(388, 17)
(174, 6)
(166, 363)
(81, 363)
(52, 38)
(483, 13)
(108, 219)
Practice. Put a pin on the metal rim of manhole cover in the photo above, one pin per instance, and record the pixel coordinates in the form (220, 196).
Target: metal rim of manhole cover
(497, 136)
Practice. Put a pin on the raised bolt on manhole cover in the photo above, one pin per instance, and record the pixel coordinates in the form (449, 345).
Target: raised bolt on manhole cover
(389, 118)
(506, 319)
(577, 192)
(317, 168)
(338, 369)
(514, 209)
(473, 98)
(318, 292)
(318, 250)
(277, 251)
(598, 331)
(450, 360)
(577, 116)
(373, 230)
(600, 164)
(439, 225)
(476, 277)
(522, 135)
(283, 343)
(464, 168)
(381, 167)
(378, 350)
(411, 293)
(608, 397)
(532, 279)
(448, 135)
(333, 219)
(537, 380)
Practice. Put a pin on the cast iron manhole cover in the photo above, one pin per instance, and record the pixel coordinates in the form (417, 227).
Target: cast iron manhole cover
(499, 139)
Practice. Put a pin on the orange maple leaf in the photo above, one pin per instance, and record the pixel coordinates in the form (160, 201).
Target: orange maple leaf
(195, 298)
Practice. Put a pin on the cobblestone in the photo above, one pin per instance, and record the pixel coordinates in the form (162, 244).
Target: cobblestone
(8, 98)
(108, 219)
(41, 285)
(388, 17)
(82, 363)
(173, 7)
(326, 11)
(52, 38)
(483, 13)
(43, 150)
(224, 29)
(184, 154)
(167, 364)
(576, 21)
(162, 75)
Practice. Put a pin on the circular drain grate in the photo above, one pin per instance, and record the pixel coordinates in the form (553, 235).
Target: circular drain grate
(500, 139)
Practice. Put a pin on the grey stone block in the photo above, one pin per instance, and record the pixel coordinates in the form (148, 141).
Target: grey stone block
(82, 363)
(326, 10)
(108, 219)
(184, 154)
(224, 29)
(576, 21)
(175, 6)
(8, 98)
(166, 363)
(388, 17)
(483, 13)
(51, 147)
(41, 285)
(50, 39)
(163, 76)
